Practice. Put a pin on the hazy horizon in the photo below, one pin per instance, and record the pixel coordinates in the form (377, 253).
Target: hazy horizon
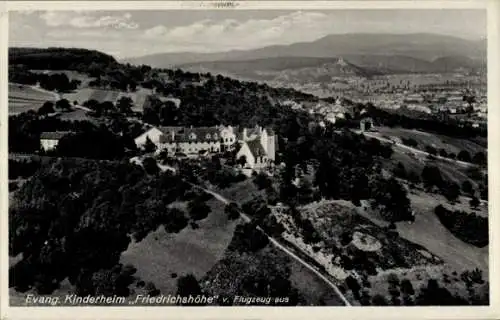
(208, 31)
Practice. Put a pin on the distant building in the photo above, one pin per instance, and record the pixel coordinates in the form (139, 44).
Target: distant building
(50, 140)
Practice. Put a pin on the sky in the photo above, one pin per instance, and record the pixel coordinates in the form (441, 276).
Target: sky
(132, 33)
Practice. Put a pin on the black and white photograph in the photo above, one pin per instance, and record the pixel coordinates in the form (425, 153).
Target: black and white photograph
(223, 156)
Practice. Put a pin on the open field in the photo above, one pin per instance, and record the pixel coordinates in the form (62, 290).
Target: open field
(71, 74)
(23, 98)
(428, 231)
(138, 97)
(85, 94)
(81, 95)
(77, 115)
(190, 251)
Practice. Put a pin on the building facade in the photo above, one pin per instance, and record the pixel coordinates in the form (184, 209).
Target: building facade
(257, 144)
(50, 140)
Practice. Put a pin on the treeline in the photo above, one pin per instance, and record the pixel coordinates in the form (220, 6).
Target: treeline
(52, 82)
(73, 220)
(401, 292)
(468, 227)
(58, 58)
(87, 140)
(442, 125)
(23, 169)
(479, 158)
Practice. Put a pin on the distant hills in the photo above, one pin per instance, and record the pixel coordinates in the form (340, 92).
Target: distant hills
(422, 46)
(361, 55)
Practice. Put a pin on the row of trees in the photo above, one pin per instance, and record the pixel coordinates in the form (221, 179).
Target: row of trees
(468, 227)
(433, 123)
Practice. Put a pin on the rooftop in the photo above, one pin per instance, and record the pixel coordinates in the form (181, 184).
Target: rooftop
(53, 135)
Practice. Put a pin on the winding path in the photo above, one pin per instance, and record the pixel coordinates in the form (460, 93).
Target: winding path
(414, 150)
(278, 245)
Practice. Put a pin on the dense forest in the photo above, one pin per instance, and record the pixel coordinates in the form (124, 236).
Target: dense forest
(73, 219)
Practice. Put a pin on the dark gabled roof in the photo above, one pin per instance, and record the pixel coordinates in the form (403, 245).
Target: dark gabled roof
(256, 148)
(182, 134)
(53, 135)
(168, 130)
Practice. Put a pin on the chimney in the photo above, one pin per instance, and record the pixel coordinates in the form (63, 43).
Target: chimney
(173, 135)
(244, 133)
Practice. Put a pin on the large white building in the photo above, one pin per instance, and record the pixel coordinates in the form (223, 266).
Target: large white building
(258, 144)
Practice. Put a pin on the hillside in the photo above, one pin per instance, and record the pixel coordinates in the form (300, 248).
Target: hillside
(311, 69)
(58, 58)
(284, 68)
(420, 46)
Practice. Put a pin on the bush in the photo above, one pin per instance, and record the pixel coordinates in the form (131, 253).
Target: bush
(464, 156)
(467, 187)
(194, 225)
(474, 202)
(247, 238)
(352, 284)
(198, 210)
(468, 227)
(262, 181)
(407, 287)
(150, 166)
(232, 210)
(379, 300)
(451, 191)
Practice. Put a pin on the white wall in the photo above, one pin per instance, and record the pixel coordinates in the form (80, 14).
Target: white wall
(245, 151)
(48, 144)
(153, 134)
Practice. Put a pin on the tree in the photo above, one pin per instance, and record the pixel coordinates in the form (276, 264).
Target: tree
(242, 161)
(464, 156)
(149, 146)
(451, 191)
(431, 176)
(48, 107)
(379, 300)
(248, 238)
(232, 211)
(107, 107)
(150, 166)
(198, 209)
(474, 202)
(392, 200)
(188, 286)
(407, 287)
(467, 187)
(480, 158)
(125, 105)
(262, 181)
(400, 171)
(63, 104)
